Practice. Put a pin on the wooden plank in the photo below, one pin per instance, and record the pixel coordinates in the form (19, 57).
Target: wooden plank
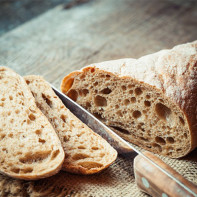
(63, 40)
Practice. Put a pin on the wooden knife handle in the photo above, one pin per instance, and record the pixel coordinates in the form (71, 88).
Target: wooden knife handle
(153, 181)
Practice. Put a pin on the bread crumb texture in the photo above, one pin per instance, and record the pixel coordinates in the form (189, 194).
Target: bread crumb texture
(29, 146)
(150, 101)
(85, 151)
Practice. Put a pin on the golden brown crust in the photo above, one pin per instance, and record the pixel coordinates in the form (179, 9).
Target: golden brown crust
(170, 72)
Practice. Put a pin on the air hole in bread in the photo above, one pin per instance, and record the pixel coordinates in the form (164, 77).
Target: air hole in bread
(81, 147)
(144, 139)
(95, 83)
(116, 106)
(55, 154)
(80, 134)
(144, 111)
(133, 99)
(79, 156)
(157, 147)
(90, 164)
(136, 114)
(185, 135)
(10, 135)
(82, 76)
(95, 148)
(32, 117)
(66, 138)
(85, 92)
(100, 101)
(17, 111)
(41, 140)
(32, 110)
(28, 121)
(179, 150)
(170, 140)
(34, 95)
(147, 103)
(15, 170)
(181, 120)
(28, 82)
(106, 91)
(138, 91)
(73, 94)
(119, 113)
(2, 136)
(38, 132)
(34, 157)
(123, 88)
(130, 86)
(160, 140)
(130, 91)
(148, 96)
(162, 111)
(140, 128)
(63, 117)
(27, 170)
(11, 97)
(47, 100)
(126, 101)
(5, 150)
(98, 116)
(88, 104)
(121, 130)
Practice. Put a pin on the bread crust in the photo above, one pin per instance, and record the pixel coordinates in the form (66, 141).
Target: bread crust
(172, 72)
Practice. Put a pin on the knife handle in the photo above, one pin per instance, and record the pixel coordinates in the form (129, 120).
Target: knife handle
(153, 181)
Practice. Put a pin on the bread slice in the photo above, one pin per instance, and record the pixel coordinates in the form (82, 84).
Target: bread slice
(29, 147)
(150, 101)
(86, 152)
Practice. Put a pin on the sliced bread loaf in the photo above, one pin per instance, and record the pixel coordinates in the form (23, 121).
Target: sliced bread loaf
(85, 151)
(29, 147)
(150, 101)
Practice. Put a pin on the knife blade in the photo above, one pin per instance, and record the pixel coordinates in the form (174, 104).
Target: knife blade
(181, 186)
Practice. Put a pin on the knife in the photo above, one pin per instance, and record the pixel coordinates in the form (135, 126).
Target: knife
(152, 175)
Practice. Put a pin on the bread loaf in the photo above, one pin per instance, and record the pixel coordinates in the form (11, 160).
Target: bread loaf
(86, 152)
(29, 147)
(150, 101)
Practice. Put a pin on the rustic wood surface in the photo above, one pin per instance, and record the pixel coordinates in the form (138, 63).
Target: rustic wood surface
(70, 35)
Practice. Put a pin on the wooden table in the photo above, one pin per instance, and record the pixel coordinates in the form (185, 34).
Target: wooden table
(73, 34)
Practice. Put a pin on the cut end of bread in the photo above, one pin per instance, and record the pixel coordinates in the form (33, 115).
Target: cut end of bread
(29, 146)
(85, 151)
(138, 112)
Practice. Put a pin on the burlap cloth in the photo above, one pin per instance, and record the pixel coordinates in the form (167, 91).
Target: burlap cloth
(117, 180)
